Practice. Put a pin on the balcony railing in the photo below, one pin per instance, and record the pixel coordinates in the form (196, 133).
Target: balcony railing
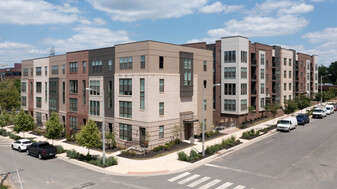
(253, 77)
(253, 92)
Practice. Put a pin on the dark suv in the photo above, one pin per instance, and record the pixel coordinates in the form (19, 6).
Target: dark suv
(302, 119)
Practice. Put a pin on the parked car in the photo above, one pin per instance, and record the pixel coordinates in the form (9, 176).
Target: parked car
(302, 119)
(335, 107)
(319, 113)
(287, 124)
(329, 109)
(41, 150)
(21, 144)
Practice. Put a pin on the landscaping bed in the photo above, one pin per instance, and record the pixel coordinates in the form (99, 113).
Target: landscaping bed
(251, 134)
(158, 151)
(209, 135)
(92, 159)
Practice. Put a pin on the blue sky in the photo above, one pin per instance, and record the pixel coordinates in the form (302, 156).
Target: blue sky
(29, 28)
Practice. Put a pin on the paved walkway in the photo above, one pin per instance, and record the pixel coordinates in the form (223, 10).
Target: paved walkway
(160, 165)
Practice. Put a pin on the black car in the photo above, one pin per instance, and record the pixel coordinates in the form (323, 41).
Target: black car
(302, 119)
(41, 150)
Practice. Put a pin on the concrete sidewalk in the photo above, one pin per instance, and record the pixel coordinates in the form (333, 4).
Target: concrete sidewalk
(161, 165)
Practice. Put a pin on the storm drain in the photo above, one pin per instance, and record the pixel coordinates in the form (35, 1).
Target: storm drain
(84, 185)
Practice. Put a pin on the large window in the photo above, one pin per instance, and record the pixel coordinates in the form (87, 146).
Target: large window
(205, 65)
(316, 76)
(161, 131)
(63, 69)
(285, 61)
(125, 109)
(23, 87)
(289, 62)
(31, 72)
(284, 74)
(161, 85)
(55, 70)
(46, 70)
(73, 104)
(38, 87)
(244, 105)
(161, 62)
(38, 117)
(243, 56)
(94, 107)
(289, 74)
(230, 89)
(110, 100)
(161, 108)
(52, 87)
(95, 85)
(38, 70)
(230, 56)
(96, 66)
(38, 102)
(262, 59)
(230, 72)
(142, 93)
(142, 61)
(73, 122)
(84, 66)
(125, 132)
(45, 91)
(188, 72)
(125, 62)
(25, 72)
(262, 103)
(23, 101)
(73, 84)
(243, 73)
(262, 88)
(308, 76)
(84, 91)
(243, 88)
(73, 67)
(52, 104)
(31, 91)
(125, 86)
(230, 105)
(262, 73)
(63, 92)
(289, 86)
(284, 86)
(110, 65)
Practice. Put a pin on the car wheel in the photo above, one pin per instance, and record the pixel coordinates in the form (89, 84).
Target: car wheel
(289, 129)
(39, 156)
(19, 149)
(27, 152)
(12, 147)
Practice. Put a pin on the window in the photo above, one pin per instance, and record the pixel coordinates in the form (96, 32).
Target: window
(73, 67)
(243, 73)
(230, 89)
(125, 109)
(205, 104)
(289, 97)
(25, 72)
(262, 59)
(301, 74)
(125, 132)
(161, 131)
(130, 62)
(262, 88)
(52, 104)
(125, 62)
(301, 86)
(205, 65)
(316, 68)
(230, 105)
(45, 91)
(38, 87)
(161, 108)
(110, 100)
(94, 108)
(161, 62)
(63, 92)
(289, 62)
(23, 101)
(142, 61)
(301, 63)
(38, 70)
(96, 66)
(308, 76)
(284, 86)
(73, 104)
(289, 86)
(316, 86)
(73, 122)
(285, 61)
(289, 74)
(262, 102)
(31, 91)
(230, 56)
(308, 87)
(46, 70)
(161, 85)
(187, 72)
(243, 88)
(316, 77)
(63, 69)
(205, 84)
(230, 72)
(142, 94)
(125, 86)
(38, 102)
(52, 87)
(54, 69)
(110, 65)
(308, 65)
(38, 117)
(243, 105)
(84, 66)
(73, 86)
(243, 56)
(31, 72)
(285, 74)
(95, 86)
(84, 97)
(262, 73)
(23, 87)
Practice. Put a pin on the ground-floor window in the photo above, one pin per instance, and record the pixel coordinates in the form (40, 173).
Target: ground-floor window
(161, 131)
(125, 132)
(38, 118)
(73, 122)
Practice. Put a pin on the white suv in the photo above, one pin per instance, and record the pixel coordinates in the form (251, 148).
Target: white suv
(21, 144)
(319, 113)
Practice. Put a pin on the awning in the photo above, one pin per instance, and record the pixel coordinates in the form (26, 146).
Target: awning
(190, 121)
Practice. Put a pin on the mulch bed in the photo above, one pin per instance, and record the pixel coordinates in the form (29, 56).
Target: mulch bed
(211, 137)
(151, 154)
(107, 150)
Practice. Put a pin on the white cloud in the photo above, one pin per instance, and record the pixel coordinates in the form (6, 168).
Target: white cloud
(99, 21)
(282, 7)
(298, 9)
(317, 1)
(88, 37)
(36, 12)
(219, 7)
(327, 35)
(132, 10)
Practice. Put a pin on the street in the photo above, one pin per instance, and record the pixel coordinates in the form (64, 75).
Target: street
(304, 158)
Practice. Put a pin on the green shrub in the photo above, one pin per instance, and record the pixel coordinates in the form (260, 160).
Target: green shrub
(3, 132)
(14, 137)
(257, 133)
(60, 149)
(245, 135)
(110, 161)
(177, 141)
(252, 132)
(3, 187)
(72, 154)
(194, 155)
(158, 148)
(182, 156)
(207, 134)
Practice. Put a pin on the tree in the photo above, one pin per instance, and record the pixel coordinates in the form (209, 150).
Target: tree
(251, 110)
(322, 71)
(89, 136)
(111, 141)
(302, 101)
(177, 131)
(272, 108)
(290, 106)
(5, 118)
(53, 127)
(23, 123)
(9, 95)
(332, 69)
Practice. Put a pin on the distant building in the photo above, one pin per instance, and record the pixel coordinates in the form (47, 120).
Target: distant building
(11, 73)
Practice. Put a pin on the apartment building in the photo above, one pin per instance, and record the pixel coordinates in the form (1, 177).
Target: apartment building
(11, 73)
(27, 86)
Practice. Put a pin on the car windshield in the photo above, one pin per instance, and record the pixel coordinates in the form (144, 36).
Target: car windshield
(318, 111)
(27, 142)
(284, 122)
(301, 116)
(328, 108)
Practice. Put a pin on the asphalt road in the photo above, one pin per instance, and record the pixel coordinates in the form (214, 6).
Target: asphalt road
(304, 158)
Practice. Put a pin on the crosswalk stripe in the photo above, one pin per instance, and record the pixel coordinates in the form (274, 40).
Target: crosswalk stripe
(179, 176)
(224, 186)
(214, 182)
(239, 187)
(193, 184)
(189, 179)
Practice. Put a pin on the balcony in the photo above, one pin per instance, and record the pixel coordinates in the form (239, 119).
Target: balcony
(297, 78)
(253, 92)
(274, 78)
(254, 77)
(274, 91)
(254, 62)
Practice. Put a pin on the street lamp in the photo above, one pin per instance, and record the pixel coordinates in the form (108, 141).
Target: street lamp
(103, 124)
(322, 86)
(203, 118)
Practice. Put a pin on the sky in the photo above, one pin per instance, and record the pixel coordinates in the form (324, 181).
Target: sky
(30, 28)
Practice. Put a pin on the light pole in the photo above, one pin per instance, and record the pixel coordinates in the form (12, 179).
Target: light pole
(203, 118)
(103, 124)
(322, 86)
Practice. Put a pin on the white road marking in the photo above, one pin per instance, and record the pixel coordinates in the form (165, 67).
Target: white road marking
(198, 182)
(224, 186)
(179, 177)
(214, 182)
(240, 187)
(189, 179)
